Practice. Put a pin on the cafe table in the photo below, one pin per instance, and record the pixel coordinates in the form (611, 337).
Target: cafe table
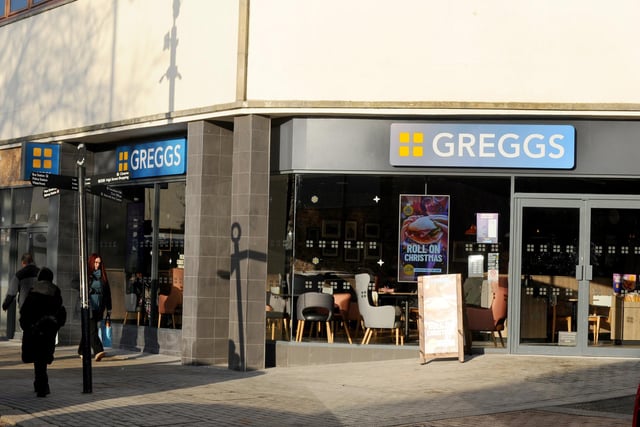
(401, 299)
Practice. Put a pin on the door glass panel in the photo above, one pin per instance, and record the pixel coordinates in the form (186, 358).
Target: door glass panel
(29, 206)
(549, 289)
(614, 293)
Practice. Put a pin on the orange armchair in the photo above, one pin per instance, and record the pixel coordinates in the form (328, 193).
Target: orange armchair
(490, 319)
(167, 304)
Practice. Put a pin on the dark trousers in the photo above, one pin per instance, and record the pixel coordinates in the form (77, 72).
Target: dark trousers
(41, 383)
(94, 339)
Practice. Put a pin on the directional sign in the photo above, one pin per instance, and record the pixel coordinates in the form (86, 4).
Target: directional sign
(54, 183)
(50, 180)
(106, 179)
(39, 179)
(106, 192)
(48, 192)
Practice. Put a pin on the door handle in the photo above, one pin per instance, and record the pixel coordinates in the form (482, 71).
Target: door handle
(589, 272)
(584, 272)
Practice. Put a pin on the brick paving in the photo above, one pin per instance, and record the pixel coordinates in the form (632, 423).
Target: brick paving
(137, 389)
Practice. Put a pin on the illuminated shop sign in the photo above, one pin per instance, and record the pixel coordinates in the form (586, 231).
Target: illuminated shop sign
(160, 158)
(483, 145)
(40, 158)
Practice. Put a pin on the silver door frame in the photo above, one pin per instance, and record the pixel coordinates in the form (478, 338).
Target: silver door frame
(583, 202)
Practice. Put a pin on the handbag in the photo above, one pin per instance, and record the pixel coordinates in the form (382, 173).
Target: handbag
(106, 333)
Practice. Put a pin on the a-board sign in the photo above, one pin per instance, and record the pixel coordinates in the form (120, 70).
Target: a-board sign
(440, 326)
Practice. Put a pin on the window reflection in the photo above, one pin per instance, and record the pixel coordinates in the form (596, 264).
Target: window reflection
(29, 206)
(127, 232)
(331, 227)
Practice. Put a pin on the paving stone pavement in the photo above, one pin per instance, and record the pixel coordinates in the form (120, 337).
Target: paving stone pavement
(139, 389)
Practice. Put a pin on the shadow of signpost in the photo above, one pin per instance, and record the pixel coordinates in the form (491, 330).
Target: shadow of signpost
(237, 350)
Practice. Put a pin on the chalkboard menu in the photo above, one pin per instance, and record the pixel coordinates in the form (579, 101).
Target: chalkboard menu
(440, 323)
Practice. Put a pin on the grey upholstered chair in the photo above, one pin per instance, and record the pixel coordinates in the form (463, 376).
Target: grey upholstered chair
(314, 307)
(383, 317)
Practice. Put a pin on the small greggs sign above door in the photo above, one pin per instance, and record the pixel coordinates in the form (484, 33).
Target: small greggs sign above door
(483, 145)
(160, 158)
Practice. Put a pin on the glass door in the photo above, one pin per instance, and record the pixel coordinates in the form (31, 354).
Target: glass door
(549, 271)
(613, 314)
(575, 275)
(22, 240)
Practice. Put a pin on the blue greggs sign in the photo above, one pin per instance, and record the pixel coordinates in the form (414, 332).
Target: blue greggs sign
(483, 145)
(40, 158)
(160, 158)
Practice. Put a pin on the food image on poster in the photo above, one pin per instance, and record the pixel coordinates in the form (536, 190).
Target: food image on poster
(424, 236)
(629, 282)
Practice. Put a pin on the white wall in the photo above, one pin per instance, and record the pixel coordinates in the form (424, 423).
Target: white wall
(496, 51)
(90, 62)
(98, 61)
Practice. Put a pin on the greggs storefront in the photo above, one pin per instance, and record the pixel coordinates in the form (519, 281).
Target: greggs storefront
(135, 221)
(552, 204)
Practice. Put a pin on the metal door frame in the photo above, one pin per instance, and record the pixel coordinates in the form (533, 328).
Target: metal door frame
(583, 202)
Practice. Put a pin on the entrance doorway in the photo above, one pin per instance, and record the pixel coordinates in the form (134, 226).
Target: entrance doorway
(576, 265)
(22, 240)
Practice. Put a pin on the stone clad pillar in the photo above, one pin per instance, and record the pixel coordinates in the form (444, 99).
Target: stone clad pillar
(205, 327)
(249, 226)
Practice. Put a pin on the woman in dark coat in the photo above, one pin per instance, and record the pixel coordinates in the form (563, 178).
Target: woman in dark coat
(99, 301)
(41, 315)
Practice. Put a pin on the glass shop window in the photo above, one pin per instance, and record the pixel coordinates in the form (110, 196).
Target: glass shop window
(5, 207)
(126, 242)
(29, 206)
(330, 227)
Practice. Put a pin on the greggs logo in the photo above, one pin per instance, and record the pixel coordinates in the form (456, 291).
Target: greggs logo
(483, 146)
(38, 157)
(159, 158)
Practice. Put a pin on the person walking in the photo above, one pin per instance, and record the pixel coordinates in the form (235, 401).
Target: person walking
(21, 282)
(41, 316)
(99, 301)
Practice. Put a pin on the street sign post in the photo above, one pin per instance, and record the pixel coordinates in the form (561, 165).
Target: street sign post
(97, 185)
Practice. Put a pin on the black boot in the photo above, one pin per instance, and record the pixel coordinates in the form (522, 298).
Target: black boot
(41, 384)
(43, 391)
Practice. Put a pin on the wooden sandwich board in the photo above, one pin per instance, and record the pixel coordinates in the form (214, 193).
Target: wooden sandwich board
(440, 321)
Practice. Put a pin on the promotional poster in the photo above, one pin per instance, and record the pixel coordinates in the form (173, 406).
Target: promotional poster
(424, 236)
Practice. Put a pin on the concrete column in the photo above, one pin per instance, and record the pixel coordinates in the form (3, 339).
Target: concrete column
(205, 327)
(249, 224)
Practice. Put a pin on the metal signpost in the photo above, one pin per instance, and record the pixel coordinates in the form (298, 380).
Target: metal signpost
(84, 288)
(96, 185)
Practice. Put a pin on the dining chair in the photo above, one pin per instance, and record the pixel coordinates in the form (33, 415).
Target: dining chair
(597, 318)
(376, 317)
(354, 317)
(168, 304)
(314, 307)
(277, 315)
(131, 305)
(490, 319)
(341, 312)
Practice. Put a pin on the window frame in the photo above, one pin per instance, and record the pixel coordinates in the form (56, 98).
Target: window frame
(32, 8)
